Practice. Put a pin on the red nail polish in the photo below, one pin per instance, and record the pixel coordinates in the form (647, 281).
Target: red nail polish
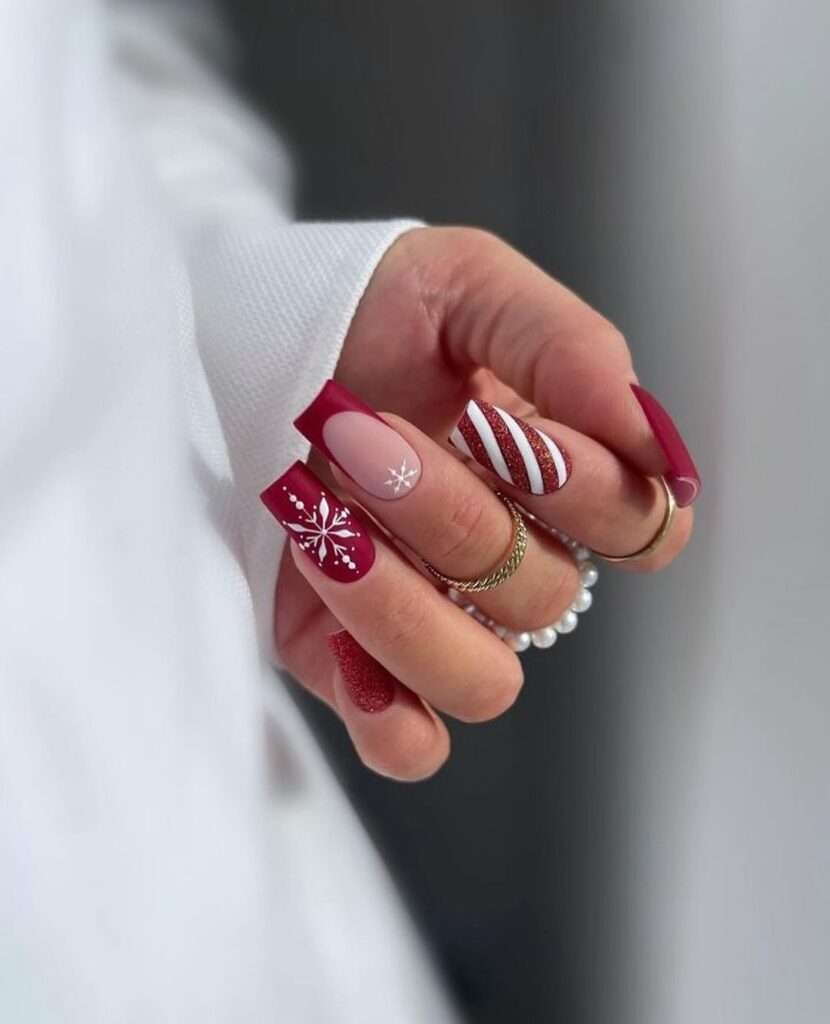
(515, 451)
(332, 536)
(367, 682)
(365, 447)
(682, 475)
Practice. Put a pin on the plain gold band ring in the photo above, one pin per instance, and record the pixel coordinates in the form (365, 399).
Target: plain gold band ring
(658, 538)
(503, 571)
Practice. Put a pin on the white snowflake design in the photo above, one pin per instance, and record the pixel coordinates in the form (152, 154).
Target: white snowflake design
(322, 531)
(400, 478)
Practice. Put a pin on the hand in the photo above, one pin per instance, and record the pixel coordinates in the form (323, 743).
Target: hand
(453, 314)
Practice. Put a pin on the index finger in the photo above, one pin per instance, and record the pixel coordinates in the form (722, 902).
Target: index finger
(504, 313)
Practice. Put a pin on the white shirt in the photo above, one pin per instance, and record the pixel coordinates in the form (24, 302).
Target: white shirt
(172, 846)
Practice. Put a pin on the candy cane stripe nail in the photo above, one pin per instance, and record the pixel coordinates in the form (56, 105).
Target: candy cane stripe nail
(515, 451)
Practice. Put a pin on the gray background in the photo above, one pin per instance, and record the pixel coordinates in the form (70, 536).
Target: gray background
(644, 838)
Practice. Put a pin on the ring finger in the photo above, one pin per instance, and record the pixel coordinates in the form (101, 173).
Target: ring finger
(606, 505)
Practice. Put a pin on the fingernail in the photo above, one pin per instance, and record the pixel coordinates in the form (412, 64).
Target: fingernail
(682, 476)
(516, 452)
(355, 438)
(368, 684)
(332, 536)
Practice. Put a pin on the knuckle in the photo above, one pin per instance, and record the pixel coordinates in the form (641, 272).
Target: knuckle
(467, 528)
(414, 754)
(473, 256)
(602, 333)
(446, 259)
(472, 242)
(611, 337)
(541, 602)
(401, 618)
(546, 605)
(494, 696)
(591, 332)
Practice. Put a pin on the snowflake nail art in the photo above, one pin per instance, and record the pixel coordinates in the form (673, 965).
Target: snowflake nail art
(321, 525)
(402, 478)
(322, 534)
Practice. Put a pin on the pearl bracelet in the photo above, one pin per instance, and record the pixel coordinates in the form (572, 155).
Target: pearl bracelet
(546, 636)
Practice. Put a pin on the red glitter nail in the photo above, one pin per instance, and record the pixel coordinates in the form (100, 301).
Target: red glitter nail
(509, 448)
(367, 682)
(514, 450)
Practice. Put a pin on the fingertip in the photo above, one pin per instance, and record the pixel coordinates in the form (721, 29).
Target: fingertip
(676, 542)
(410, 749)
(495, 692)
(394, 733)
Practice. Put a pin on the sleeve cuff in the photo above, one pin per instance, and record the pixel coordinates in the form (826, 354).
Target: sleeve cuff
(272, 309)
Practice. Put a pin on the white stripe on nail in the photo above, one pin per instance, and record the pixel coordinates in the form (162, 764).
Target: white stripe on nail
(458, 441)
(534, 474)
(488, 439)
(556, 455)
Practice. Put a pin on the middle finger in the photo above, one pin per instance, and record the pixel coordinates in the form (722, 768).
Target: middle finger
(429, 500)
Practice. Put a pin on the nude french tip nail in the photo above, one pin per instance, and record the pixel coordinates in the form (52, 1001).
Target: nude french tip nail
(368, 684)
(327, 531)
(682, 475)
(352, 436)
(515, 451)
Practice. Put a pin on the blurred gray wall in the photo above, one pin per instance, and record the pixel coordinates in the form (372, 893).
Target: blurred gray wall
(645, 837)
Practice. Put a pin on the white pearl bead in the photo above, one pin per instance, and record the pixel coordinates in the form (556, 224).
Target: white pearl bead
(543, 638)
(582, 554)
(470, 609)
(588, 573)
(500, 631)
(480, 617)
(583, 601)
(453, 595)
(517, 642)
(568, 622)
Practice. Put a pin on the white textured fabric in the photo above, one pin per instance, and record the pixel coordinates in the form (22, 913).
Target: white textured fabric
(172, 846)
(272, 308)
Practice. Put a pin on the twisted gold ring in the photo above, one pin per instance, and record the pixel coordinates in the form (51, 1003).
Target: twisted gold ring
(502, 572)
(658, 538)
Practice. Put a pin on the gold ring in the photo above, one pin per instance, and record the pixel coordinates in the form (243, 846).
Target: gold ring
(502, 572)
(658, 538)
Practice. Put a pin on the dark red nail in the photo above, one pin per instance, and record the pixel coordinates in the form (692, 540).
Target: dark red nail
(332, 536)
(682, 475)
(367, 682)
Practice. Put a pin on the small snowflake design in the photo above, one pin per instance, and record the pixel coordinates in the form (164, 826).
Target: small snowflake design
(324, 532)
(401, 478)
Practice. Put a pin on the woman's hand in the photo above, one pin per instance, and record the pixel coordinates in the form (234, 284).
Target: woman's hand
(453, 314)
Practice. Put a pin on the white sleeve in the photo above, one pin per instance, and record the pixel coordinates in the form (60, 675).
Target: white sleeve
(271, 300)
(273, 304)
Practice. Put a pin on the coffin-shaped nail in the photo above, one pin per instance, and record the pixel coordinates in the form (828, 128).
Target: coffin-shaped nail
(355, 438)
(682, 475)
(333, 537)
(515, 451)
